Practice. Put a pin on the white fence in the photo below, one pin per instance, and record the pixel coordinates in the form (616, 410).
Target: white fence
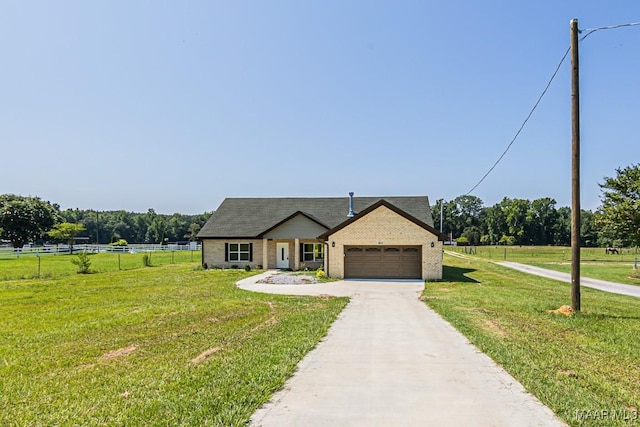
(29, 250)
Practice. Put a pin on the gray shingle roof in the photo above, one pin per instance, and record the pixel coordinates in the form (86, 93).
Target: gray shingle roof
(249, 217)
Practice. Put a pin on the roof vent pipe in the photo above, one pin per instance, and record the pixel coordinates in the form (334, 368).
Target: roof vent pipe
(351, 213)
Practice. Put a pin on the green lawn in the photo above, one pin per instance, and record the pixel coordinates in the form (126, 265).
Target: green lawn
(169, 345)
(594, 262)
(587, 362)
(51, 266)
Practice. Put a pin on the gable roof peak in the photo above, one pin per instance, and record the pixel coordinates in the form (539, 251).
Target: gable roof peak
(386, 204)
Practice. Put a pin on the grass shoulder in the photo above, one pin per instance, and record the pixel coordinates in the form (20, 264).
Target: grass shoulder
(623, 267)
(612, 272)
(584, 362)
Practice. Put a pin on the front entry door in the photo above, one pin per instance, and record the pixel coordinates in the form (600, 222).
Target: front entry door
(282, 255)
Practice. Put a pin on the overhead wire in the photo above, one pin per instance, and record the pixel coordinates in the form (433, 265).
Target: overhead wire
(523, 123)
(588, 31)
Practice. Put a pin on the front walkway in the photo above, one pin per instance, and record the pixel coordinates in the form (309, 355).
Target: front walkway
(390, 360)
(602, 285)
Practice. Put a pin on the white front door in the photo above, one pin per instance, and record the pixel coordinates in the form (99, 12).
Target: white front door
(282, 255)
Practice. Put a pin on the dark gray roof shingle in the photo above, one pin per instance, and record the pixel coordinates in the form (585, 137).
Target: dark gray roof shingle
(249, 217)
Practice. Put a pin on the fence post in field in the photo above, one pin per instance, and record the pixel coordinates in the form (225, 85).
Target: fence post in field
(119, 261)
(505, 253)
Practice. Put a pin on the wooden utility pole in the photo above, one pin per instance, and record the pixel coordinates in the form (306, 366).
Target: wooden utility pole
(575, 169)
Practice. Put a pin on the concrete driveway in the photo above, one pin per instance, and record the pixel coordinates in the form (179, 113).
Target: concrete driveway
(390, 360)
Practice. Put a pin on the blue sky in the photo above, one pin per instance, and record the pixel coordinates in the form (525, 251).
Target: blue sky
(177, 105)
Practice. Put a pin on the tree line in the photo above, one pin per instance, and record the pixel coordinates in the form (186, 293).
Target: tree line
(512, 222)
(148, 227)
(541, 222)
(30, 219)
(465, 218)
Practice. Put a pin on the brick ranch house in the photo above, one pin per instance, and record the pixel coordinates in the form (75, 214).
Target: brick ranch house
(349, 237)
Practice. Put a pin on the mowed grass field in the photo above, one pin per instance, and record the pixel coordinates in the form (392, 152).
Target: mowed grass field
(177, 345)
(51, 266)
(594, 262)
(586, 367)
(168, 345)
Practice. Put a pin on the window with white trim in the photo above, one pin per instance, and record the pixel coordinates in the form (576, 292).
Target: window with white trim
(239, 252)
(312, 251)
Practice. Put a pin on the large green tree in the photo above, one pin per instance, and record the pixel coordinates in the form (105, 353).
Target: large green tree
(515, 212)
(194, 228)
(23, 219)
(459, 214)
(541, 218)
(620, 212)
(495, 225)
(588, 229)
(562, 227)
(66, 232)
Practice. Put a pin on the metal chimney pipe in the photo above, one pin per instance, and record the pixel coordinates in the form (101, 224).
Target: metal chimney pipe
(351, 212)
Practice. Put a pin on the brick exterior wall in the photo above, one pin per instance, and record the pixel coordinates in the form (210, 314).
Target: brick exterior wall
(213, 253)
(385, 227)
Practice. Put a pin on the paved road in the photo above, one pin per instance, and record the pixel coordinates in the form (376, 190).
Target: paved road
(390, 360)
(603, 285)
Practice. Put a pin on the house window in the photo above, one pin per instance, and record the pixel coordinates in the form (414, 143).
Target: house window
(312, 251)
(239, 252)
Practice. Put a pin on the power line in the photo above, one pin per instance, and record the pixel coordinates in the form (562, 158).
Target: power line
(588, 31)
(523, 123)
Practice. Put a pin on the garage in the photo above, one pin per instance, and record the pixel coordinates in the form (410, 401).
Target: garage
(383, 262)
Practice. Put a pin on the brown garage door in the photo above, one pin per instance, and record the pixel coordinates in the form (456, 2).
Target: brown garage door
(384, 262)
